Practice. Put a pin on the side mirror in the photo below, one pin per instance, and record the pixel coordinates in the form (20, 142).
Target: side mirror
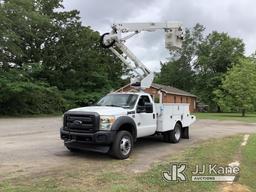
(149, 107)
(140, 109)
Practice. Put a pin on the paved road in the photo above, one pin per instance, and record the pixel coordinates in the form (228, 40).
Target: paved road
(32, 145)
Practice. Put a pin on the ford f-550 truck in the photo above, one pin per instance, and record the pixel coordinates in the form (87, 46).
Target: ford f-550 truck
(118, 119)
(115, 123)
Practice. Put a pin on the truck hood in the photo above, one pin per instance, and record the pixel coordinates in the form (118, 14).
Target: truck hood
(102, 110)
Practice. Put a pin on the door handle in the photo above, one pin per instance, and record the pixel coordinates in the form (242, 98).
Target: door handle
(154, 115)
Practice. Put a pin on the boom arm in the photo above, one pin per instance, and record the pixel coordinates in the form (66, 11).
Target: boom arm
(115, 42)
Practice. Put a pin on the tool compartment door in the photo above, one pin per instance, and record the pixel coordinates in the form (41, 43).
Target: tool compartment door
(165, 120)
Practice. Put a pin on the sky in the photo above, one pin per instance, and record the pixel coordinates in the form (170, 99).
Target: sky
(237, 18)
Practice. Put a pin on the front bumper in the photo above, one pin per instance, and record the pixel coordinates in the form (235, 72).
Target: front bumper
(87, 141)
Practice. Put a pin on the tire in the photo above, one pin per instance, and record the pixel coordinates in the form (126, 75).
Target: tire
(122, 145)
(174, 135)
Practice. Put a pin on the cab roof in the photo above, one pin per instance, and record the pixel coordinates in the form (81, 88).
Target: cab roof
(133, 93)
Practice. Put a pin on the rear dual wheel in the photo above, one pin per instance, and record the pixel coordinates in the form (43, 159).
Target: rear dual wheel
(174, 135)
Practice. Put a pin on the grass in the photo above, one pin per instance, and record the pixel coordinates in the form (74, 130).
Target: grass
(249, 117)
(118, 178)
(219, 152)
(248, 168)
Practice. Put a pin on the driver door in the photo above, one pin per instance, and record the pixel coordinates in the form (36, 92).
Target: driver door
(145, 120)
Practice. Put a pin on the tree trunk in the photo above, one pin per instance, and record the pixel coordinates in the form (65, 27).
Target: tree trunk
(243, 112)
(218, 109)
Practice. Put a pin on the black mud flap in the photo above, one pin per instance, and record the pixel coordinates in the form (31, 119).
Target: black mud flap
(185, 133)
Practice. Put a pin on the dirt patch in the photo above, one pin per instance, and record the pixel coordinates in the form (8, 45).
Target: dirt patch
(235, 187)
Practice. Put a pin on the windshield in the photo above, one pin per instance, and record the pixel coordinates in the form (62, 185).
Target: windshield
(119, 100)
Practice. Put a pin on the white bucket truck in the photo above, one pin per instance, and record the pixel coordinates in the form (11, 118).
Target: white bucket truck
(118, 119)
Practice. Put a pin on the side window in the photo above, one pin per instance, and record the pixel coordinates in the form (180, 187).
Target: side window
(143, 99)
(142, 107)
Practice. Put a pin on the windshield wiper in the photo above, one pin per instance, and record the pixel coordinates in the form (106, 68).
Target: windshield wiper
(112, 105)
(97, 104)
(126, 106)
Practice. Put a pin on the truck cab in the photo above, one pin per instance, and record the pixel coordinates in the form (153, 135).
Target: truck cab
(115, 122)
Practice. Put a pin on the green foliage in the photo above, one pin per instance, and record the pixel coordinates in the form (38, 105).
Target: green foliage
(80, 98)
(203, 62)
(21, 96)
(58, 62)
(238, 88)
(179, 73)
(216, 54)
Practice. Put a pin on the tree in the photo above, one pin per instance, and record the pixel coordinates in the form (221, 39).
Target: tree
(24, 32)
(50, 47)
(70, 56)
(179, 73)
(238, 88)
(216, 54)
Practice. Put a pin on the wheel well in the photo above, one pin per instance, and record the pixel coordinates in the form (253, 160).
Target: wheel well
(130, 128)
(178, 122)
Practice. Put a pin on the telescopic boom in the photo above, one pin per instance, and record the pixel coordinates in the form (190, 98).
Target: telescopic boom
(115, 41)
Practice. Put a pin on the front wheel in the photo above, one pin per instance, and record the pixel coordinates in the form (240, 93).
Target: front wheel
(123, 145)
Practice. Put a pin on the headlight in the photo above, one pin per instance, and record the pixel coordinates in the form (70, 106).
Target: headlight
(106, 122)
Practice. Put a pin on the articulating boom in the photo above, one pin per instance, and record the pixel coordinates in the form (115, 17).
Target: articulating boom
(114, 40)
